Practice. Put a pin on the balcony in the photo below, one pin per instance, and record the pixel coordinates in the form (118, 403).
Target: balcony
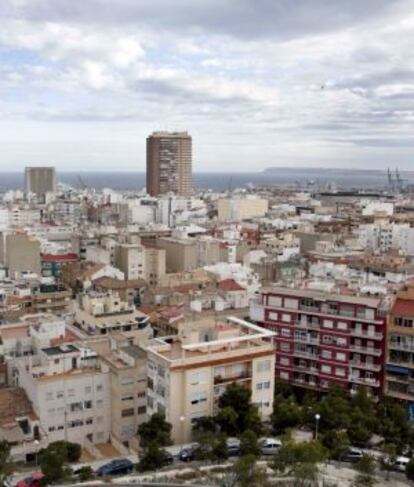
(307, 324)
(364, 365)
(245, 375)
(305, 354)
(366, 334)
(403, 347)
(364, 381)
(306, 339)
(367, 350)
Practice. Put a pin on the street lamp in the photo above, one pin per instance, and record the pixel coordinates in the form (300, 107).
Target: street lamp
(37, 443)
(317, 418)
(182, 420)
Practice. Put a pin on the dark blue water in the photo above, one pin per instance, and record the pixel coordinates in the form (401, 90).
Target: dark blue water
(130, 181)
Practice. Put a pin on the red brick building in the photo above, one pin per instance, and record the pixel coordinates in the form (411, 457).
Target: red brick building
(324, 339)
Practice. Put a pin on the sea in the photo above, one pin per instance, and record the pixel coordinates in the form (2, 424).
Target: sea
(283, 177)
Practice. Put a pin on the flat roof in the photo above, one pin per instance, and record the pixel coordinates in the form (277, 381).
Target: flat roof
(370, 301)
(60, 349)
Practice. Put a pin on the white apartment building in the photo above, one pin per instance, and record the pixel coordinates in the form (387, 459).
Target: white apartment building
(104, 312)
(384, 236)
(69, 390)
(188, 372)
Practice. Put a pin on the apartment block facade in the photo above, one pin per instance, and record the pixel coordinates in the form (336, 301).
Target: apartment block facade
(188, 372)
(399, 378)
(324, 339)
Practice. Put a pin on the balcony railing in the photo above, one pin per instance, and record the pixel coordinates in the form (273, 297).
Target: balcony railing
(220, 379)
(307, 324)
(368, 350)
(364, 365)
(364, 381)
(305, 354)
(305, 339)
(366, 334)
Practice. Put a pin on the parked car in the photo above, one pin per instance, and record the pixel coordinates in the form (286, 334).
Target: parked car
(119, 466)
(33, 481)
(352, 455)
(186, 454)
(400, 463)
(233, 447)
(269, 446)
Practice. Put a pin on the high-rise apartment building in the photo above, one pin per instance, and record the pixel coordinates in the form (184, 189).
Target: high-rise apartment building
(40, 180)
(324, 339)
(169, 163)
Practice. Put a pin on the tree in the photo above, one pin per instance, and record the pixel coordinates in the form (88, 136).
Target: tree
(152, 459)
(237, 397)
(155, 431)
(6, 466)
(219, 451)
(387, 462)
(227, 420)
(337, 442)
(366, 470)
(409, 470)
(53, 465)
(85, 473)
(69, 451)
(299, 459)
(249, 444)
(247, 474)
(286, 414)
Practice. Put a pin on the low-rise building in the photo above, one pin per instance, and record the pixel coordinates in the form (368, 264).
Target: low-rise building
(188, 372)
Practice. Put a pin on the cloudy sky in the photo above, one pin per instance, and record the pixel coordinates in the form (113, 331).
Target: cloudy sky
(257, 83)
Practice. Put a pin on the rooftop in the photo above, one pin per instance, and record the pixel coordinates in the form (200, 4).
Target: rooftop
(404, 308)
(370, 301)
(60, 349)
(14, 403)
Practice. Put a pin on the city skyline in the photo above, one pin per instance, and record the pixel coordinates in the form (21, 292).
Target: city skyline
(257, 84)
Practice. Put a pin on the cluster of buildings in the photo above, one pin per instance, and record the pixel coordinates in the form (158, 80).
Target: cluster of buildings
(116, 305)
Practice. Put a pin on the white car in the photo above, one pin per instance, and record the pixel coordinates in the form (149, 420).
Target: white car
(400, 463)
(269, 446)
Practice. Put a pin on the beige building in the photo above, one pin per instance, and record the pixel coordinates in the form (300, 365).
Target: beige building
(22, 254)
(40, 180)
(239, 209)
(188, 372)
(69, 390)
(169, 163)
(100, 313)
(155, 265)
(181, 253)
(130, 259)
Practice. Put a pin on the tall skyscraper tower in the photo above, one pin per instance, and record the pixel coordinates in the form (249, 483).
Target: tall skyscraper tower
(169, 163)
(40, 180)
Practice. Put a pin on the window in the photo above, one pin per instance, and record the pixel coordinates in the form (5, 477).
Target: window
(75, 406)
(259, 386)
(141, 395)
(284, 375)
(71, 392)
(341, 342)
(291, 303)
(326, 354)
(340, 356)
(60, 394)
(51, 428)
(327, 339)
(126, 413)
(87, 404)
(49, 396)
(284, 347)
(266, 385)
(284, 361)
(89, 421)
(326, 369)
(274, 301)
(127, 397)
(273, 316)
(99, 388)
(199, 377)
(56, 361)
(263, 366)
(99, 403)
(88, 390)
(198, 397)
(342, 325)
(328, 323)
(340, 372)
(287, 318)
(142, 410)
